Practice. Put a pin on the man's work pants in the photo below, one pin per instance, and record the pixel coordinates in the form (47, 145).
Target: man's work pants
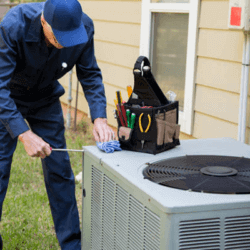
(48, 123)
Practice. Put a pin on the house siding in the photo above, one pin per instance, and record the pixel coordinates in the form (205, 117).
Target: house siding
(117, 40)
(219, 56)
(3, 9)
(218, 69)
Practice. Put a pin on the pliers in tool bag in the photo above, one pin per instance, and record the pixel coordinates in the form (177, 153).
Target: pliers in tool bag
(141, 128)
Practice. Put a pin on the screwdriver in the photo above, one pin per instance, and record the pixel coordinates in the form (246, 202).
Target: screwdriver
(64, 150)
(132, 123)
(129, 90)
(128, 117)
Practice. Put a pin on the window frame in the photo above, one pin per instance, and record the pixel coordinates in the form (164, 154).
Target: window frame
(192, 8)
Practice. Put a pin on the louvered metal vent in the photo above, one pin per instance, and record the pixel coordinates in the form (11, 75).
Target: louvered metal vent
(199, 234)
(118, 220)
(237, 233)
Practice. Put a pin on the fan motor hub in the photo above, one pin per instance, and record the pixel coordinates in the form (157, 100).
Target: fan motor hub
(218, 171)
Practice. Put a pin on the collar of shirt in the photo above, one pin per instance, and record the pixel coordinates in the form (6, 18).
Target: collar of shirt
(35, 32)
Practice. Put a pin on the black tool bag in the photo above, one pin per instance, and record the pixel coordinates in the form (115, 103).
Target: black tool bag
(156, 126)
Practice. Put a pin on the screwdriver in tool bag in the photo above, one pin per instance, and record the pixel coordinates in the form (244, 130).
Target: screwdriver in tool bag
(129, 90)
(128, 117)
(121, 109)
(132, 123)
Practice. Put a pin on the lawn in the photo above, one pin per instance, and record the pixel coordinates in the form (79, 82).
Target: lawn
(26, 219)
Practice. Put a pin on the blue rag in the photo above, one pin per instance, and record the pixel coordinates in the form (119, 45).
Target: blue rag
(109, 147)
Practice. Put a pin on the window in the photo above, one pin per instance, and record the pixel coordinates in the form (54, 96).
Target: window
(168, 39)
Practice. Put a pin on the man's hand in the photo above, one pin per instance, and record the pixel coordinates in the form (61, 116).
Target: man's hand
(34, 145)
(101, 131)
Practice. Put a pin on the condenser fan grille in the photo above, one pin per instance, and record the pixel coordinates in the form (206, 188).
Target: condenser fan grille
(202, 173)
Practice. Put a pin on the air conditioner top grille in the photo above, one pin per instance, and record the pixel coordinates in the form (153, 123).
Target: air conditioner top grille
(202, 173)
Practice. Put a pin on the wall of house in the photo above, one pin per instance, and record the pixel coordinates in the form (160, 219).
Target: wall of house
(117, 40)
(3, 9)
(218, 73)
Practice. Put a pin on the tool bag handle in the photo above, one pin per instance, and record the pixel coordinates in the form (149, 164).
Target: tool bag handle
(138, 63)
(145, 85)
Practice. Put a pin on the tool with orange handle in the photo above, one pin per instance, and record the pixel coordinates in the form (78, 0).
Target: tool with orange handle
(129, 90)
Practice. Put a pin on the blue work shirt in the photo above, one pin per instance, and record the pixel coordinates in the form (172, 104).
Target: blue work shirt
(29, 70)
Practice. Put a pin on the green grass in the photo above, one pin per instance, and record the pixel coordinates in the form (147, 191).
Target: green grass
(26, 220)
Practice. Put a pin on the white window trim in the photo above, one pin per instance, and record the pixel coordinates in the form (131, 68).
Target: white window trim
(185, 116)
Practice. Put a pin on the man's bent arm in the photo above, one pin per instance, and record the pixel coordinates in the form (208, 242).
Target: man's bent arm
(10, 117)
(90, 77)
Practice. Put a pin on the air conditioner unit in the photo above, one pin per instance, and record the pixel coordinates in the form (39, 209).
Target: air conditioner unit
(195, 196)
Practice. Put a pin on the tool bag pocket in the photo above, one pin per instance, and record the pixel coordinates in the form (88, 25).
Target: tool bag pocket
(141, 137)
(124, 134)
(167, 127)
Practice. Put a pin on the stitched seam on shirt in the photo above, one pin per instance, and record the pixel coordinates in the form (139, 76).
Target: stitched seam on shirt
(9, 130)
(7, 127)
(3, 122)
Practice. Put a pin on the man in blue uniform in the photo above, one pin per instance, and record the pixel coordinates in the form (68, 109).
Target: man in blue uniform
(36, 41)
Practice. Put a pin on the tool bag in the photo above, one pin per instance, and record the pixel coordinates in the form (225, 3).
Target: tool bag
(156, 126)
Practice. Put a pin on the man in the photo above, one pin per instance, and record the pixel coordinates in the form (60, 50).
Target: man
(37, 40)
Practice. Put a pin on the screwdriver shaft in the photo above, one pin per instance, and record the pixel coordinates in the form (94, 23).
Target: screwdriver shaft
(72, 150)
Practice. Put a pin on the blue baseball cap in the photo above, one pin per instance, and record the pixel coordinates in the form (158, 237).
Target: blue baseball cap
(65, 19)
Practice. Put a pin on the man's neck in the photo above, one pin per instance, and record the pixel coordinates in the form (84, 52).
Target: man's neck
(47, 42)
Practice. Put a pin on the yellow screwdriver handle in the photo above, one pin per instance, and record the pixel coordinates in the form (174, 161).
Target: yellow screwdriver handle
(115, 101)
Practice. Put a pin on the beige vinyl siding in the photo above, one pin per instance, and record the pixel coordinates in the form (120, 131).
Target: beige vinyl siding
(221, 44)
(215, 127)
(3, 10)
(214, 14)
(217, 103)
(218, 73)
(113, 11)
(248, 119)
(117, 40)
